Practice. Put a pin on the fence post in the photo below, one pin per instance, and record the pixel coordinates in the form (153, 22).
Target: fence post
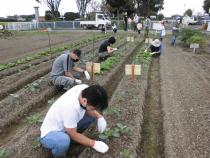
(73, 25)
(54, 26)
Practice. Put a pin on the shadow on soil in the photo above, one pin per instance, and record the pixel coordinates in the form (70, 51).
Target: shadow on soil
(152, 142)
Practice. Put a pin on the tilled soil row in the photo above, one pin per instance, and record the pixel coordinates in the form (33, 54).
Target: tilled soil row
(27, 135)
(16, 81)
(128, 101)
(21, 67)
(10, 113)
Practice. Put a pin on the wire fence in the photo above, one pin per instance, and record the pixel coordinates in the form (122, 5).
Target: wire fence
(19, 26)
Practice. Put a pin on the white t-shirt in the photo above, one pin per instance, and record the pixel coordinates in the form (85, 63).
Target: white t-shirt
(65, 112)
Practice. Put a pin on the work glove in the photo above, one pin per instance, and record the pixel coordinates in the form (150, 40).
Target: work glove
(77, 81)
(114, 49)
(87, 76)
(101, 124)
(100, 147)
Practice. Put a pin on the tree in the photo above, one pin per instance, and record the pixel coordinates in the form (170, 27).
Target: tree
(188, 12)
(160, 16)
(121, 6)
(53, 5)
(93, 6)
(149, 7)
(206, 5)
(71, 16)
(82, 6)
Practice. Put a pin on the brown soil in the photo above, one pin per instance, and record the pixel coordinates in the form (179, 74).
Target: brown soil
(20, 45)
(185, 100)
(28, 138)
(152, 143)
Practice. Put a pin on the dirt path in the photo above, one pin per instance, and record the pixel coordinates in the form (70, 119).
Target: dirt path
(185, 98)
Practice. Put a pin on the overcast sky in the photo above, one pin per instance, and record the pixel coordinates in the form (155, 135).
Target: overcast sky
(25, 7)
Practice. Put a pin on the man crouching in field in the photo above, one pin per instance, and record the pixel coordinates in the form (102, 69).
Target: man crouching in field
(64, 73)
(72, 112)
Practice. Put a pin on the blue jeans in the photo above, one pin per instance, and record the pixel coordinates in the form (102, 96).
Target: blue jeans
(59, 142)
(173, 40)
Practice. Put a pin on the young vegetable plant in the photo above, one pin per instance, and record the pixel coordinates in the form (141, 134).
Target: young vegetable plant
(36, 144)
(126, 153)
(115, 132)
(51, 101)
(4, 153)
(14, 98)
(112, 111)
(34, 119)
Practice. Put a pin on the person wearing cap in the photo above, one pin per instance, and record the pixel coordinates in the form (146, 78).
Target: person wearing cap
(71, 114)
(155, 47)
(64, 73)
(105, 49)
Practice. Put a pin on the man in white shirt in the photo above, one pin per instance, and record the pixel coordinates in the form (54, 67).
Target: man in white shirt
(74, 110)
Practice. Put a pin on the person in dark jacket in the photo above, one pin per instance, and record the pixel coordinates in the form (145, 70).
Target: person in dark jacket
(105, 49)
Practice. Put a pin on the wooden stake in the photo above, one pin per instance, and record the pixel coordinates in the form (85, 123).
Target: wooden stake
(92, 71)
(132, 72)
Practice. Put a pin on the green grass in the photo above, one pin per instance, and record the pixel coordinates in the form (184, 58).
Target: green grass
(34, 119)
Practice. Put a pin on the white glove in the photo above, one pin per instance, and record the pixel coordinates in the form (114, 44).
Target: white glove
(87, 76)
(100, 147)
(101, 124)
(77, 81)
(114, 49)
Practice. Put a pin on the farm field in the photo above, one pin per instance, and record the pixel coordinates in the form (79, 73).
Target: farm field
(164, 112)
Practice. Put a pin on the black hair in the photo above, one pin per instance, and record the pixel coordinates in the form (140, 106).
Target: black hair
(96, 96)
(112, 40)
(77, 52)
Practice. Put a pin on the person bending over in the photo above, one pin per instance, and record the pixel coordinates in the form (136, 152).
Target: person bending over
(105, 49)
(64, 73)
(74, 111)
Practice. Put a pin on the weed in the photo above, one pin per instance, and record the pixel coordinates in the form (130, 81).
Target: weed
(4, 153)
(34, 119)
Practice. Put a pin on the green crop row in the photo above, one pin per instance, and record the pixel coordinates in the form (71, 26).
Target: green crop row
(48, 53)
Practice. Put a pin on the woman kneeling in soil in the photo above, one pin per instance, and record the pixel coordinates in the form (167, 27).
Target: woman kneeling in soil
(74, 111)
(155, 47)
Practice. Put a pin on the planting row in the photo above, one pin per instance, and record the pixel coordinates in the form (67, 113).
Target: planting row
(19, 103)
(27, 134)
(125, 115)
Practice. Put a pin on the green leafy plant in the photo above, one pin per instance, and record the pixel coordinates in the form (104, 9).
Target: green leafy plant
(36, 144)
(51, 101)
(14, 98)
(196, 39)
(111, 111)
(116, 131)
(34, 119)
(126, 153)
(4, 153)
(187, 33)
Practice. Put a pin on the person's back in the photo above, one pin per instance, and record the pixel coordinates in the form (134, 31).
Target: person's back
(103, 46)
(60, 65)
